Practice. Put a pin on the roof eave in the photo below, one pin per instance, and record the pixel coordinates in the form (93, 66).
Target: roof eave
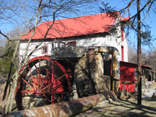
(125, 20)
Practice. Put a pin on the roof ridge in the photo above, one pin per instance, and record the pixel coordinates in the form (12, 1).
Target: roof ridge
(76, 26)
(80, 16)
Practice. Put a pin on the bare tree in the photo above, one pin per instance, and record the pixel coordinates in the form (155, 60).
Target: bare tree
(132, 58)
(141, 29)
(150, 58)
(30, 13)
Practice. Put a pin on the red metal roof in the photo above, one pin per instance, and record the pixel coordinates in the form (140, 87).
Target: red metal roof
(135, 64)
(153, 71)
(85, 25)
(125, 19)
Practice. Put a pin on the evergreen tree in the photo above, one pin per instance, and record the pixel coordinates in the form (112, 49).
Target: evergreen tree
(5, 61)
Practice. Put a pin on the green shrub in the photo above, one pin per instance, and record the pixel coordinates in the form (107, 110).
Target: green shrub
(5, 61)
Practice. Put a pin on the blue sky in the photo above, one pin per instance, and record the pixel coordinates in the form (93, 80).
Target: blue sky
(94, 8)
(118, 5)
(150, 19)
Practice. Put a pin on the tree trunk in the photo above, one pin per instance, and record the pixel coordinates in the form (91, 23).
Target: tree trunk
(139, 71)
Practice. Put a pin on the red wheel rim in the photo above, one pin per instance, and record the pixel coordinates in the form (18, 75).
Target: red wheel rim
(42, 77)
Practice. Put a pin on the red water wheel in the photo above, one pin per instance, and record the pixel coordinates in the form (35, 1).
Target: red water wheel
(42, 79)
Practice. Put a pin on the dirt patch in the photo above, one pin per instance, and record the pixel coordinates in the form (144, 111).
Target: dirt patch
(153, 85)
(124, 108)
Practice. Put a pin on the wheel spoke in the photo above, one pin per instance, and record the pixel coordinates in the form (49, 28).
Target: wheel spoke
(57, 98)
(61, 92)
(59, 78)
(47, 72)
(47, 75)
(52, 72)
(39, 64)
(30, 78)
(61, 97)
(46, 98)
(29, 70)
(57, 87)
(37, 69)
(33, 82)
(50, 81)
(28, 91)
(46, 87)
(41, 84)
(27, 82)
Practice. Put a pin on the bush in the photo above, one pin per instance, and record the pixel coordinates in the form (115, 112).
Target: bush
(5, 61)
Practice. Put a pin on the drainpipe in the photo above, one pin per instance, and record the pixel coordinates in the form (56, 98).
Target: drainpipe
(115, 80)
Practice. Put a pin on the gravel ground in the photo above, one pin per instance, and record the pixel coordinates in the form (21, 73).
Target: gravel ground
(126, 108)
(120, 108)
(123, 108)
(149, 92)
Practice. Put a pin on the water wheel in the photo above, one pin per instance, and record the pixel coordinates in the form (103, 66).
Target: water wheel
(42, 81)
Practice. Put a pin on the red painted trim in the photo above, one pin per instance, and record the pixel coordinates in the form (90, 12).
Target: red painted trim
(124, 19)
(43, 50)
(72, 43)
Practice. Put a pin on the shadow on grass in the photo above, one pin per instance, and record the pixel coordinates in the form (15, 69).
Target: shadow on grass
(124, 108)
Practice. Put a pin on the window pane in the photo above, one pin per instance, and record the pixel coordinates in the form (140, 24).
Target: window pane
(44, 50)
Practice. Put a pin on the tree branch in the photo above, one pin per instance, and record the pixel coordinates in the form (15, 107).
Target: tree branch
(140, 10)
(6, 52)
(4, 35)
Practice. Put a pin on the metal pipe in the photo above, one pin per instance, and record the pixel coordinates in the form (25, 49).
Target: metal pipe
(65, 109)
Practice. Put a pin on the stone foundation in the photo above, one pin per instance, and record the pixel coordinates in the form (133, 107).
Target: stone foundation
(88, 75)
(31, 102)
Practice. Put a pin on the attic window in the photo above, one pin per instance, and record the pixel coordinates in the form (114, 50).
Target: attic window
(72, 43)
(44, 49)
